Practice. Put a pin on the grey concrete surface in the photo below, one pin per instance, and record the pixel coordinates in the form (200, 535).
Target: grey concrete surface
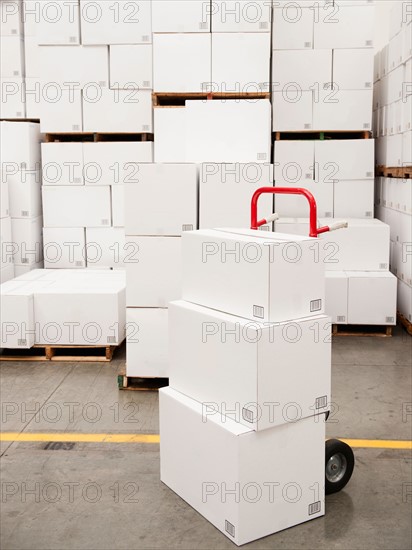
(108, 496)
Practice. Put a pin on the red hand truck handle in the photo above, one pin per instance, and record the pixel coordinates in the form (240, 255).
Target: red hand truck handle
(314, 231)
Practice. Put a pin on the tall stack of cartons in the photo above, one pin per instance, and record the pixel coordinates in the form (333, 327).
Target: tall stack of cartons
(21, 174)
(393, 132)
(250, 373)
(159, 207)
(322, 76)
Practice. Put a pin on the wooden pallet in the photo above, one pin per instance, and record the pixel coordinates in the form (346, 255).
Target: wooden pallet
(382, 331)
(404, 172)
(97, 137)
(161, 99)
(407, 325)
(326, 135)
(78, 354)
(140, 384)
(37, 120)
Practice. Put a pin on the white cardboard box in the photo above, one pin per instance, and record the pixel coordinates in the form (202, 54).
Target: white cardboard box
(349, 110)
(162, 200)
(27, 236)
(25, 194)
(60, 109)
(131, 66)
(353, 198)
(402, 264)
(82, 312)
(12, 98)
(405, 300)
(241, 62)
(117, 111)
(17, 316)
(33, 87)
(407, 148)
(336, 300)
(296, 206)
(240, 16)
(7, 248)
(11, 57)
(371, 298)
(147, 342)
(62, 163)
(76, 206)
(58, 23)
(32, 57)
(4, 196)
(125, 22)
(396, 79)
(292, 110)
(222, 455)
(243, 368)
(64, 248)
(293, 27)
(118, 205)
(106, 247)
(215, 131)
(22, 270)
(79, 64)
(245, 273)
(226, 191)
(182, 62)
(180, 16)
(395, 51)
(170, 135)
(344, 159)
(294, 161)
(353, 68)
(11, 17)
(337, 250)
(153, 271)
(6, 273)
(306, 68)
(345, 27)
(114, 162)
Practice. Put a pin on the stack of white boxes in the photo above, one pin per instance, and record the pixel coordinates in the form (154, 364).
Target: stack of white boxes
(12, 65)
(159, 206)
(250, 375)
(63, 307)
(322, 65)
(83, 201)
(393, 132)
(392, 102)
(221, 47)
(323, 81)
(21, 180)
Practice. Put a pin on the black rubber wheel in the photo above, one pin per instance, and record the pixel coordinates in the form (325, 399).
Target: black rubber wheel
(339, 464)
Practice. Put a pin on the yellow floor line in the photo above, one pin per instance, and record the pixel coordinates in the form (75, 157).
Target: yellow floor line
(154, 438)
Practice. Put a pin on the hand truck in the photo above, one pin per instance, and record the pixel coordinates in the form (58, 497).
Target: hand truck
(339, 458)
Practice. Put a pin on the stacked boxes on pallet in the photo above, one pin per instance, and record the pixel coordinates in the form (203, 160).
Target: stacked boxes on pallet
(250, 340)
(323, 81)
(393, 132)
(22, 244)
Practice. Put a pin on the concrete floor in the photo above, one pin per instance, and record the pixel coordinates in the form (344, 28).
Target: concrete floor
(132, 509)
